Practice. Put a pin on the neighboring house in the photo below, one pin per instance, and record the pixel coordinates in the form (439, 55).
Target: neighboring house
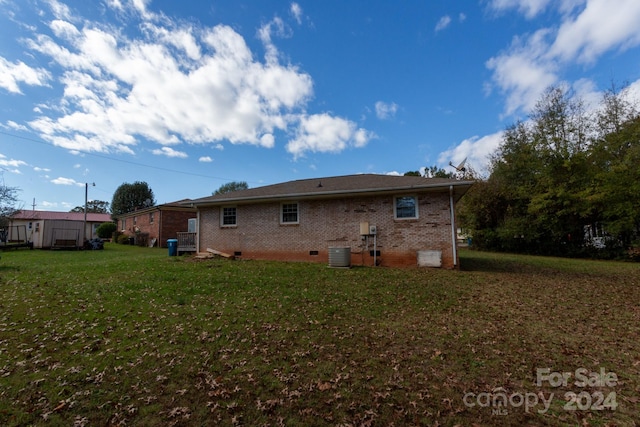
(381, 220)
(161, 222)
(47, 229)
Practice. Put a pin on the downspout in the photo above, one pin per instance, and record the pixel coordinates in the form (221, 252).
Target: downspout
(453, 228)
(197, 230)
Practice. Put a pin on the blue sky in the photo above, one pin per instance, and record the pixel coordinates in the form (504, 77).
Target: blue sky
(189, 95)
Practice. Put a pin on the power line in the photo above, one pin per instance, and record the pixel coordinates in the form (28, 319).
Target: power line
(101, 156)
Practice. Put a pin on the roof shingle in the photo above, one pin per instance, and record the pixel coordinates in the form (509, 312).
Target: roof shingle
(335, 187)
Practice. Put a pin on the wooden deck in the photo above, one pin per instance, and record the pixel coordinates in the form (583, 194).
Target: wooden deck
(186, 242)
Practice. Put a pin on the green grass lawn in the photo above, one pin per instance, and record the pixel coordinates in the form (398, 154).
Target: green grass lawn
(131, 336)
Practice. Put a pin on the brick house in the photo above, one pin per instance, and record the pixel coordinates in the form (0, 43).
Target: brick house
(381, 219)
(160, 222)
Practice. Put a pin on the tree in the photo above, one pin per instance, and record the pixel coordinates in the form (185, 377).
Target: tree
(93, 206)
(431, 172)
(532, 199)
(8, 203)
(615, 188)
(559, 176)
(231, 186)
(129, 197)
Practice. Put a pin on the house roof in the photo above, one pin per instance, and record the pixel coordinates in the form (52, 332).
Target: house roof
(70, 216)
(337, 186)
(179, 205)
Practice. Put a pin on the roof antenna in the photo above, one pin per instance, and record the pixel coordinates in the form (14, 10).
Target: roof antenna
(460, 167)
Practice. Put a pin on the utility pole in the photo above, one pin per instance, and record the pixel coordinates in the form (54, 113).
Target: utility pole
(84, 227)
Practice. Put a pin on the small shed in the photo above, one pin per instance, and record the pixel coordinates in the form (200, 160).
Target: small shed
(49, 229)
(62, 234)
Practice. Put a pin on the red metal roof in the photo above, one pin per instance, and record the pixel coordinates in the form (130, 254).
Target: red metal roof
(71, 216)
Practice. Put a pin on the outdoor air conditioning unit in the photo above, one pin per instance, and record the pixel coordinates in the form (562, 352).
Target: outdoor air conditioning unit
(340, 256)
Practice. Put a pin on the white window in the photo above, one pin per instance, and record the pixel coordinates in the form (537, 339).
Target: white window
(289, 213)
(228, 216)
(405, 207)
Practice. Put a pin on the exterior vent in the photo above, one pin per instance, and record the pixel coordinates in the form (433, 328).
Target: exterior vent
(429, 258)
(339, 256)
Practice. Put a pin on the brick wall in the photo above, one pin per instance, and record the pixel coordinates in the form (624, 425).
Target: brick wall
(174, 222)
(143, 222)
(333, 223)
(166, 224)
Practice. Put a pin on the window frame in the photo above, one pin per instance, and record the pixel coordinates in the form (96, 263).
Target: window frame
(223, 216)
(282, 213)
(395, 207)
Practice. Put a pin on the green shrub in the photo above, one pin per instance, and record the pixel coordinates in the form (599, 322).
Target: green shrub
(123, 239)
(142, 239)
(106, 230)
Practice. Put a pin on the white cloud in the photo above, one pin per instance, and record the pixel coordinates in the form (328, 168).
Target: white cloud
(67, 181)
(600, 27)
(48, 205)
(477, 151)
(60, 10)
(175, 83)
(522, 73)
(443, 23)
(296, 11)
(39, 169)
(11, 163)
(275, 26)
(326, 134)
(530, 8)
(12, 74)
(13, 125)
(170, 152)
(205, 159)
(386, 110)
(587, 30)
